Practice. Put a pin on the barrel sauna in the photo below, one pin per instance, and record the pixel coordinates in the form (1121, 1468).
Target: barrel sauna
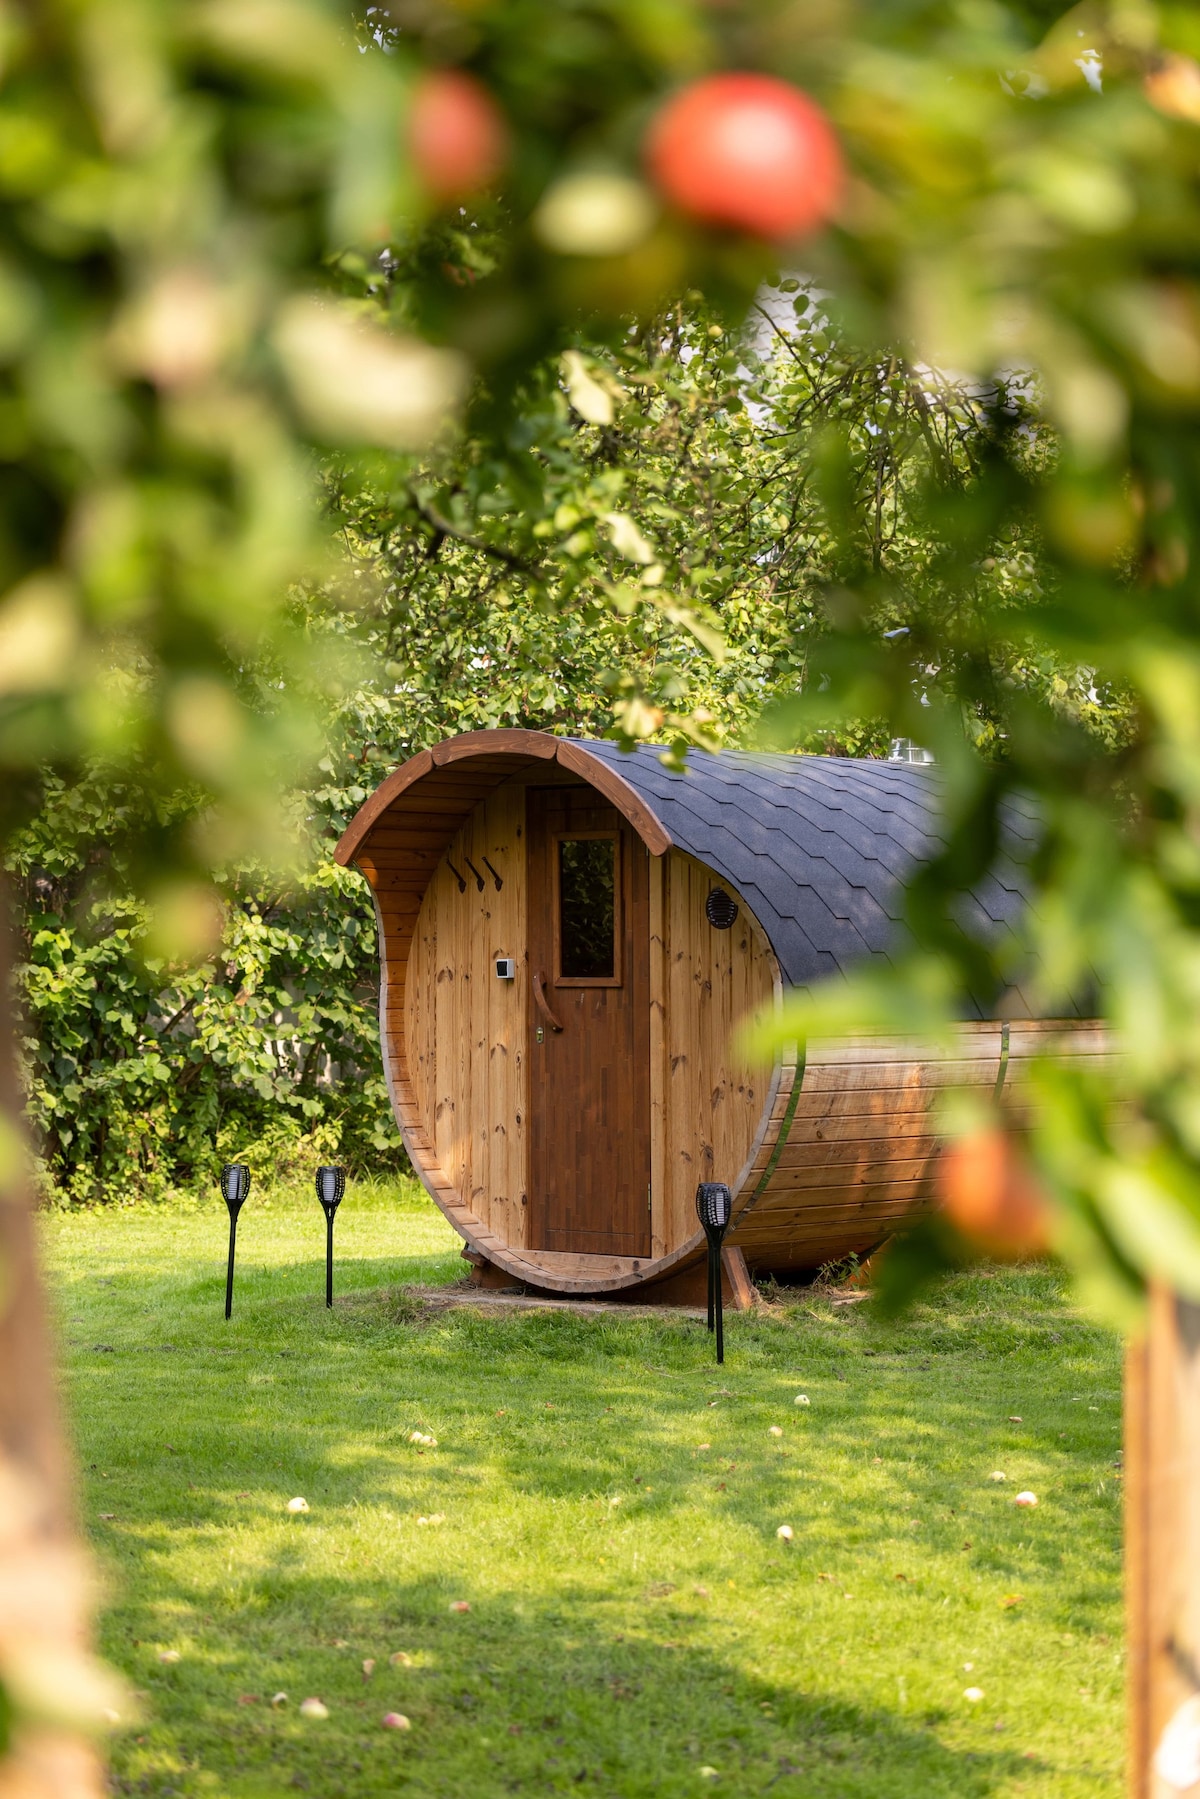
(569, 937)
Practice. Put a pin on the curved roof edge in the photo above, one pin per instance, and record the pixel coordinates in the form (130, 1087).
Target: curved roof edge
(819, 848)
(513, 747)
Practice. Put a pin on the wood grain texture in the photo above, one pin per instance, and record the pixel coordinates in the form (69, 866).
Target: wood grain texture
(714, 1095)
(481, 746)
(616, 789)
(860, 1154)
(589, 1133)
(463, 1029)
(657, 969)
(860, 1148)
(396, 783)
(846, 1176)
(1162, 1530)
(462, 770)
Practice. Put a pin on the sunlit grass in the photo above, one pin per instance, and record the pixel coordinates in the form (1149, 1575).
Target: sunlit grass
(635, 1621)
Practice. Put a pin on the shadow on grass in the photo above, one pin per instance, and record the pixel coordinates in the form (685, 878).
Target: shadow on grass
(517, 1696)
(583, 1680)
(288, 1394)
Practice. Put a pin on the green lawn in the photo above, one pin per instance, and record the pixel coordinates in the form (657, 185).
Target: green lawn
(609, 1502)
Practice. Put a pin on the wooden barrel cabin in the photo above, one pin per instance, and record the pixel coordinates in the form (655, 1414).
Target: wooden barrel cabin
(569, 936)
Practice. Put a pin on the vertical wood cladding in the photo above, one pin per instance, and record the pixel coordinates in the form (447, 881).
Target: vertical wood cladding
(466, 1030)
(589, 1129)
(714, 1096)
(829, 1151)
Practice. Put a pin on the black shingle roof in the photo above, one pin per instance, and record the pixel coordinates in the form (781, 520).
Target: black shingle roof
(820, 847)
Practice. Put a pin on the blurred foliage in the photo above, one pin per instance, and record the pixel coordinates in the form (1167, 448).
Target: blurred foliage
(1032, 205)
(217, 256)
(476, 594)
(218, 259)
(644, 549)
(180, 184)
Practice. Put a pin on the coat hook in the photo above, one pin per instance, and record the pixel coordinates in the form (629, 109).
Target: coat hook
(462, 885)
(494, 875)
(478, 877)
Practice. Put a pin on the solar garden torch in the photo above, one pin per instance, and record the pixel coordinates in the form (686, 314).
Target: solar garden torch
(235, 1184)
(714, 1204)
(331, 1184)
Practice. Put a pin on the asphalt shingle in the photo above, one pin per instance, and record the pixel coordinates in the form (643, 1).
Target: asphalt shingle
(820, 848)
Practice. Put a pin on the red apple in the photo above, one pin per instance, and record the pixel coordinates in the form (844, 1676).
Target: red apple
(456, 134)
(749, 151)
(989, 1191)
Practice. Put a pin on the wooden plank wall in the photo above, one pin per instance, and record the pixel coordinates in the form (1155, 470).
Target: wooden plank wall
(860, 1148)
(858, 1159)
(465, 1030)
(461, 1049)
(858, 1155)
(707, 1099)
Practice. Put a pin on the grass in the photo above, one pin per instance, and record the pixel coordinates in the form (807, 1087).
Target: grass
(635, 1623)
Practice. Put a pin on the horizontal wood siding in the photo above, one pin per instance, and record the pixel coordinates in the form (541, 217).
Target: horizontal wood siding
(858, 1160)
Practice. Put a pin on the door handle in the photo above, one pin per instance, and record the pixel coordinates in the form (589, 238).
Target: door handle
(543, 1004)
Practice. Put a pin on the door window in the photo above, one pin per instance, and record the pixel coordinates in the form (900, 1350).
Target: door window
(588, 905)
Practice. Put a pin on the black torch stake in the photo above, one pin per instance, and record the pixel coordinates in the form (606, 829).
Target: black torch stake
(235, 1184)
(331, 1184)
(714, 1204)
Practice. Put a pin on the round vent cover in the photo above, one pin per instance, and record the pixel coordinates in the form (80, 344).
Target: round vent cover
(720, 909)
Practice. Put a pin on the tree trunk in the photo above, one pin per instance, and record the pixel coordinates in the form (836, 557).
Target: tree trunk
(44, 1576)
(1162, 1550)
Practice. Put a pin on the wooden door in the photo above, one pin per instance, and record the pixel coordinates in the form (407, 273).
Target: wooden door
(589, 1081)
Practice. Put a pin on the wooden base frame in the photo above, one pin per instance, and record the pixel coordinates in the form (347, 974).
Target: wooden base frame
(687, 1288)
